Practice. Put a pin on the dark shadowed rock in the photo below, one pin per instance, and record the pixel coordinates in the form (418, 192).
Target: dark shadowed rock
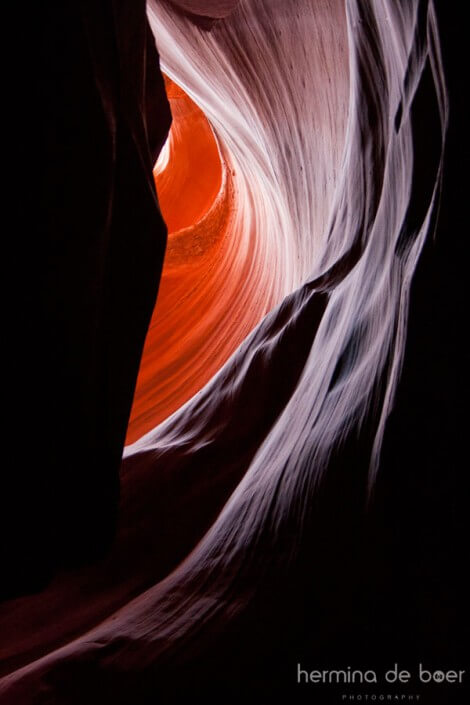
(88, 260)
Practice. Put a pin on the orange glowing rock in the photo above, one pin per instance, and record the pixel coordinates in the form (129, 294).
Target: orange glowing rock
(191, 176)
(200, 317)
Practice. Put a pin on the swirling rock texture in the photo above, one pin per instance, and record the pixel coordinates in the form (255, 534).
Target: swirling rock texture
(251, 515)
(216, 284)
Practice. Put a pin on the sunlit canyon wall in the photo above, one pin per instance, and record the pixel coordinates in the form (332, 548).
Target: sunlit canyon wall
(278, 334)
